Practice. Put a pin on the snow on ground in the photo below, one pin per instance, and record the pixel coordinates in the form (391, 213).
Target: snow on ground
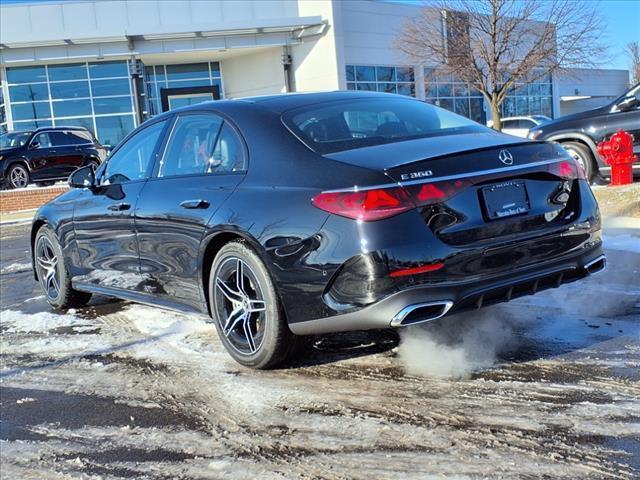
(16, 268)
(543, 387)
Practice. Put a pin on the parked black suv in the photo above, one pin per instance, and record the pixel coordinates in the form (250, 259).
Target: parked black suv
(580, 133)
(45, 155)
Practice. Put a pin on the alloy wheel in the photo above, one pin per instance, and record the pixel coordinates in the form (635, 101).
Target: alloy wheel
(19, 177)
(577, 157)
(48, 267)
(240, 306)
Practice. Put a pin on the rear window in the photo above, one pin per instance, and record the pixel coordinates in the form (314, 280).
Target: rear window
(349, 124)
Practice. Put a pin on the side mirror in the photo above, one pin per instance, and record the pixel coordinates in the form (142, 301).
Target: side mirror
(33, 145)
(83, 178)
(627, 103)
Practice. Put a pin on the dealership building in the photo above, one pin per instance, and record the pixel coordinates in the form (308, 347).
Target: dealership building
(110, 64)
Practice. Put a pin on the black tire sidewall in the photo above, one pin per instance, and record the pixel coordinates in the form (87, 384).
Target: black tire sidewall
(64, 276)
(68, 296)
(272, 349)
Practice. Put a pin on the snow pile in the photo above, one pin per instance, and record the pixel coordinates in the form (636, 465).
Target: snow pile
(16, 268)
(41, 322)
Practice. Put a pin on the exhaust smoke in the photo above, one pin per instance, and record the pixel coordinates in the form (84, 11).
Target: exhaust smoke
(457, 346)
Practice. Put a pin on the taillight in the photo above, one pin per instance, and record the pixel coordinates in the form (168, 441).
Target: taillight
(430, 193)
(568, 169)
(380, 203)
(365, 205)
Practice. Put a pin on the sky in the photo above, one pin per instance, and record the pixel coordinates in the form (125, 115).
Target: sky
(623, 26)
(622, 19)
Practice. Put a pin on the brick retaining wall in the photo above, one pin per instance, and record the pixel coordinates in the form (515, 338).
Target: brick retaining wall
(28, 198)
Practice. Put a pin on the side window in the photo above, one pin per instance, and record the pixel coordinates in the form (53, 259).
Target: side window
(131, 161)
(44, 140)
(190, 148)
(526, 124)
(228, 155)
(77, 137)
(58, 138)
(509, 124)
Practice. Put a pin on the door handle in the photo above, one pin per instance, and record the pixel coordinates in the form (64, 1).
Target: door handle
(118, 207)
(193, 204)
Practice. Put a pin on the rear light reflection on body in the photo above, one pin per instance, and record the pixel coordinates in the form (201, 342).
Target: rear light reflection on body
(416, 270)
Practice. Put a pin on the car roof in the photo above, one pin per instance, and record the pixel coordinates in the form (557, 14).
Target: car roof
(59, 127)
(279, 103)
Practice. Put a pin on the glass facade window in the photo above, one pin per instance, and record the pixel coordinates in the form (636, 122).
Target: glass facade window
(33, 110)
(456, 96)
(114, 128)
(95, 95)
(26, 74)
(108, 69)
(533, 98)
(67, 72)
(110, 87)
(28, 93)
(382, 79)
(71, 108)
(69, 90)
(186, 75)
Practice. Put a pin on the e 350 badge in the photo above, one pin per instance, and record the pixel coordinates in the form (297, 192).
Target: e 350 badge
(416, 175)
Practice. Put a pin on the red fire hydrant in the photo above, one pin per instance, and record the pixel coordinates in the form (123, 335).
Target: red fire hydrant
(618, 152)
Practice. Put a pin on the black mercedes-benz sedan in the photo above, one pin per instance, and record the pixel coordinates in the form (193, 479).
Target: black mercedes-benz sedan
(310, 213)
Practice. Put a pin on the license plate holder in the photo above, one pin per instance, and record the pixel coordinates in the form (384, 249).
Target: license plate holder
(505, 199)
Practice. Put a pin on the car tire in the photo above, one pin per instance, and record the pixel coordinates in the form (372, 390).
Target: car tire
(246, 309)
(18, 176)
(53, 274)
(583, 156)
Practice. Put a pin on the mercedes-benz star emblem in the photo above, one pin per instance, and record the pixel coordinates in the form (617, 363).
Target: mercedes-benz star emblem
(505, 157)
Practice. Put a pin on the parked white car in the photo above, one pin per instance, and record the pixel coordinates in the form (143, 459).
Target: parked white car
(520, 126)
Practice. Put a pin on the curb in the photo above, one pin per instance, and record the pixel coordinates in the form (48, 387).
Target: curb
(21, 217)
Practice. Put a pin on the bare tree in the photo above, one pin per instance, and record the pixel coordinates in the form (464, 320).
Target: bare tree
(492, 44)
(633, 49)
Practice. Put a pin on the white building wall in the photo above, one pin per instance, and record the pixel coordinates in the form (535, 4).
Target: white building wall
(115, 18)
(603, 86)
(315, 60)
(259, 73)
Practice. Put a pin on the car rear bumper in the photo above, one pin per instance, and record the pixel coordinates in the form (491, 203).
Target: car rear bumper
(429, 302)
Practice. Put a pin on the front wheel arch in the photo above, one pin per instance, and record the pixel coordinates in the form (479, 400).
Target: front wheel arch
(35, 228)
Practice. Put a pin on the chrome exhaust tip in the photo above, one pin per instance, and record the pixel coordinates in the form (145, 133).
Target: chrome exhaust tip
(421, 312)
(596, 265)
